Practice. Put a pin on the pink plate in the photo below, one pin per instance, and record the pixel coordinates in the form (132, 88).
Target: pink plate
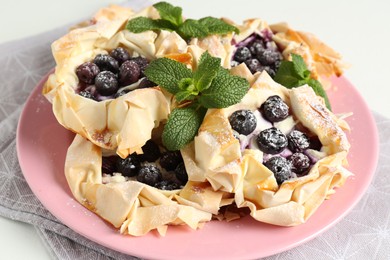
(42, 145)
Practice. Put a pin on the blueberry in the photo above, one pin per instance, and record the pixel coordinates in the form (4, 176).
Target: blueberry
(170, 160)
(274, 109)
(167, 185)
(142, 64)
(106, 63)
(181, 173)
(269, 57)
(129, 72)
(87, 94)
(128, 167)
(146, 83)
(298, 141)
(300, 162)
(281, 168)
(151, 152)
(149, 174)
(243, 121)
(87, 72)
(242, 54)
(106, 83)
(109, 164)
(315, 143)
(256, 48)
(120, 54)
(271, 141)
(254, 65)
(270, 71)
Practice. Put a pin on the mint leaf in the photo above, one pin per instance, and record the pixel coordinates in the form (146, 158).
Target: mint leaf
(182, 126)
(217, 26)
(191, 29)
(142, 24)
(187, 90)
(167, 73)
(184, 95)
(319, 90)
(169, 12)
(187, 84)
(286, 75)
(300, 66)
(172, 20)
(295, 73)
(207, 70)
(224, 91)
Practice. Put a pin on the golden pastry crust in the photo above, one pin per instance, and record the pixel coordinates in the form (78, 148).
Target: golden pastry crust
(323, 62)
(125, 123)
(216, 156)
(133, 207)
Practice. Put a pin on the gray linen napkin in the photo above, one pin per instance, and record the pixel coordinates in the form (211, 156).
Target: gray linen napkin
(362, 234)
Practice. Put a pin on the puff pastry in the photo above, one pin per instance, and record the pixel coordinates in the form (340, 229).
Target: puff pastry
(133, 207)
(217, 156)
(222, 169)
(124, 123)
(322, 61)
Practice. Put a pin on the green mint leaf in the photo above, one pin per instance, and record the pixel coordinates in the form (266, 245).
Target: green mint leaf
(185, 95)
(142, 24)
(182, 126)
(300, 67)
(169, 12)
(192, 29)
(187, 84)
(224, 91)
(286, 75)
(217, 26)
(319, 90)
(207, 70)
(167, 73)
(187, 90)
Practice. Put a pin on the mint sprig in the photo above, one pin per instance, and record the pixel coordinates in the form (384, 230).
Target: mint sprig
(209, 86)
(295, 73)
(171, 20)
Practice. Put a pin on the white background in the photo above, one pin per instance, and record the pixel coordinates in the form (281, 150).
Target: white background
(359, 30)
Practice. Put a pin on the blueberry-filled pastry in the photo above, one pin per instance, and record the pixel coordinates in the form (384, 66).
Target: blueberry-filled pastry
(99, 89)
(321, 59)
(261, 47)
(142, 192)
(280, 151)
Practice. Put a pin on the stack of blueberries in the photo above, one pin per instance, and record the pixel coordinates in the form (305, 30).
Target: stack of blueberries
(106, 74)
(259, 54)
(273, 142)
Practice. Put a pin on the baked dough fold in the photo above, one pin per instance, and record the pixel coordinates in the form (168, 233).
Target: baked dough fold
(217, 157)
(133, 207)
(124, 123)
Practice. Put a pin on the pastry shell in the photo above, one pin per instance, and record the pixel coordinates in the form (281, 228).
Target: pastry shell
(216, 156)
(133, 207)
(322, 61)
(124, 123)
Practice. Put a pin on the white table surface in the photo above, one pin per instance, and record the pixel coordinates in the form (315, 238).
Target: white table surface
(359, 30)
